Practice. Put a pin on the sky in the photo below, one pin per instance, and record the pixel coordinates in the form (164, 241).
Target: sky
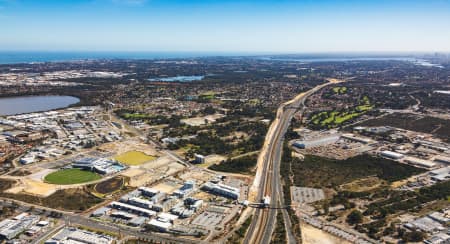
(266, 26)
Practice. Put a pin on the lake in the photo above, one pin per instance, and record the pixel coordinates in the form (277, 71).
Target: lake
(30, 104)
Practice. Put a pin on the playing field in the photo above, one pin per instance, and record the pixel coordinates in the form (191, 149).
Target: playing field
(71, 176)
(134, 158)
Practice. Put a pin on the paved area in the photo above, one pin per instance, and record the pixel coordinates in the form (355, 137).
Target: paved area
(306, 195)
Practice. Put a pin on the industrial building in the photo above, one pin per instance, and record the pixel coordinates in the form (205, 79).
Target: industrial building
(441, 174)
(71, 235)
(222, 190)
(442, 159)
(159, 225)
(419, 162)
(391, 155)
(131, 208)
(10, 228)
(352, 137)
(305, 144)
(148, 192)
(425, 224)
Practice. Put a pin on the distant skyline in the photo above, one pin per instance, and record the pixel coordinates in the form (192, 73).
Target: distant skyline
(264, 26)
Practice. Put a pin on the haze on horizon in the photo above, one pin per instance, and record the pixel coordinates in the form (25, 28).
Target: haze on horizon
(281, 26)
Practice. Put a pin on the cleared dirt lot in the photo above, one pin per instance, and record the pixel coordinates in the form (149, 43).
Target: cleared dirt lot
(311, 235)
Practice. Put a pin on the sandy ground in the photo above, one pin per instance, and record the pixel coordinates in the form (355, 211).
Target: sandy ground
(166, 187)
(311, 235)
(202, 120)
(34, 187)
(157, 163)
(149, 172)
(130, 145)
(198, 175)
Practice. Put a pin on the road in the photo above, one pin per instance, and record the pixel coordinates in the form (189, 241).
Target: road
(267, 181)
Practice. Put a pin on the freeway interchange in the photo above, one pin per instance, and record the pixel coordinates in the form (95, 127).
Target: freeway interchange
(267, 181)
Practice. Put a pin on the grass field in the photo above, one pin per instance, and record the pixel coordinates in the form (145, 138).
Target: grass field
(134, 158)
(71, 176)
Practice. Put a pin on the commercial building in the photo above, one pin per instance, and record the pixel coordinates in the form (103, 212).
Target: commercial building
(222, 190)
(185, 190)
(99, 165)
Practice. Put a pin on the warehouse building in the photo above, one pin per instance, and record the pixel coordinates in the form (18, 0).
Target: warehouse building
(441, 174)
(316, 142)
(442, 159)
(132, 209)
(148, 192)
(71, 235)
(419, 162)
(222, 190)
(10, 228)
(391, 155)
(159, 225)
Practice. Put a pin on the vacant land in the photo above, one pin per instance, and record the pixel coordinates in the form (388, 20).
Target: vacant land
(110, 185)
(134, 158)
(20, 172)
(6, 184)
(71, 176)
(426, 124)
(78, 199)
(242, 165)
(320, 172)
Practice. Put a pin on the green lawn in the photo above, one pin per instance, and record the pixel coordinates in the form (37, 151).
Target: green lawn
(134, 158)
(71, 176)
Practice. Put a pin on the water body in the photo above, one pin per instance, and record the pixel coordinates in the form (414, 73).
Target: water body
(340, 59)
(30, 104)
(15, 57)
(179, 78)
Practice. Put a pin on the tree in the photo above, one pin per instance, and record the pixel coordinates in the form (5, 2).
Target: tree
(355, 217)
(413, 236)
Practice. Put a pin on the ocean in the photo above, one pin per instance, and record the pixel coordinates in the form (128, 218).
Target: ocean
(15, 57)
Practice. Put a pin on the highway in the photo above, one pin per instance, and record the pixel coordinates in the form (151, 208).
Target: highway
(267, 180)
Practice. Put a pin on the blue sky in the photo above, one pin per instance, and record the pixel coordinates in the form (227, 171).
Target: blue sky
(280, 26)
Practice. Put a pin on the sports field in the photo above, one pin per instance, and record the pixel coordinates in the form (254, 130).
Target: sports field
(134, 158)
(71, 176)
